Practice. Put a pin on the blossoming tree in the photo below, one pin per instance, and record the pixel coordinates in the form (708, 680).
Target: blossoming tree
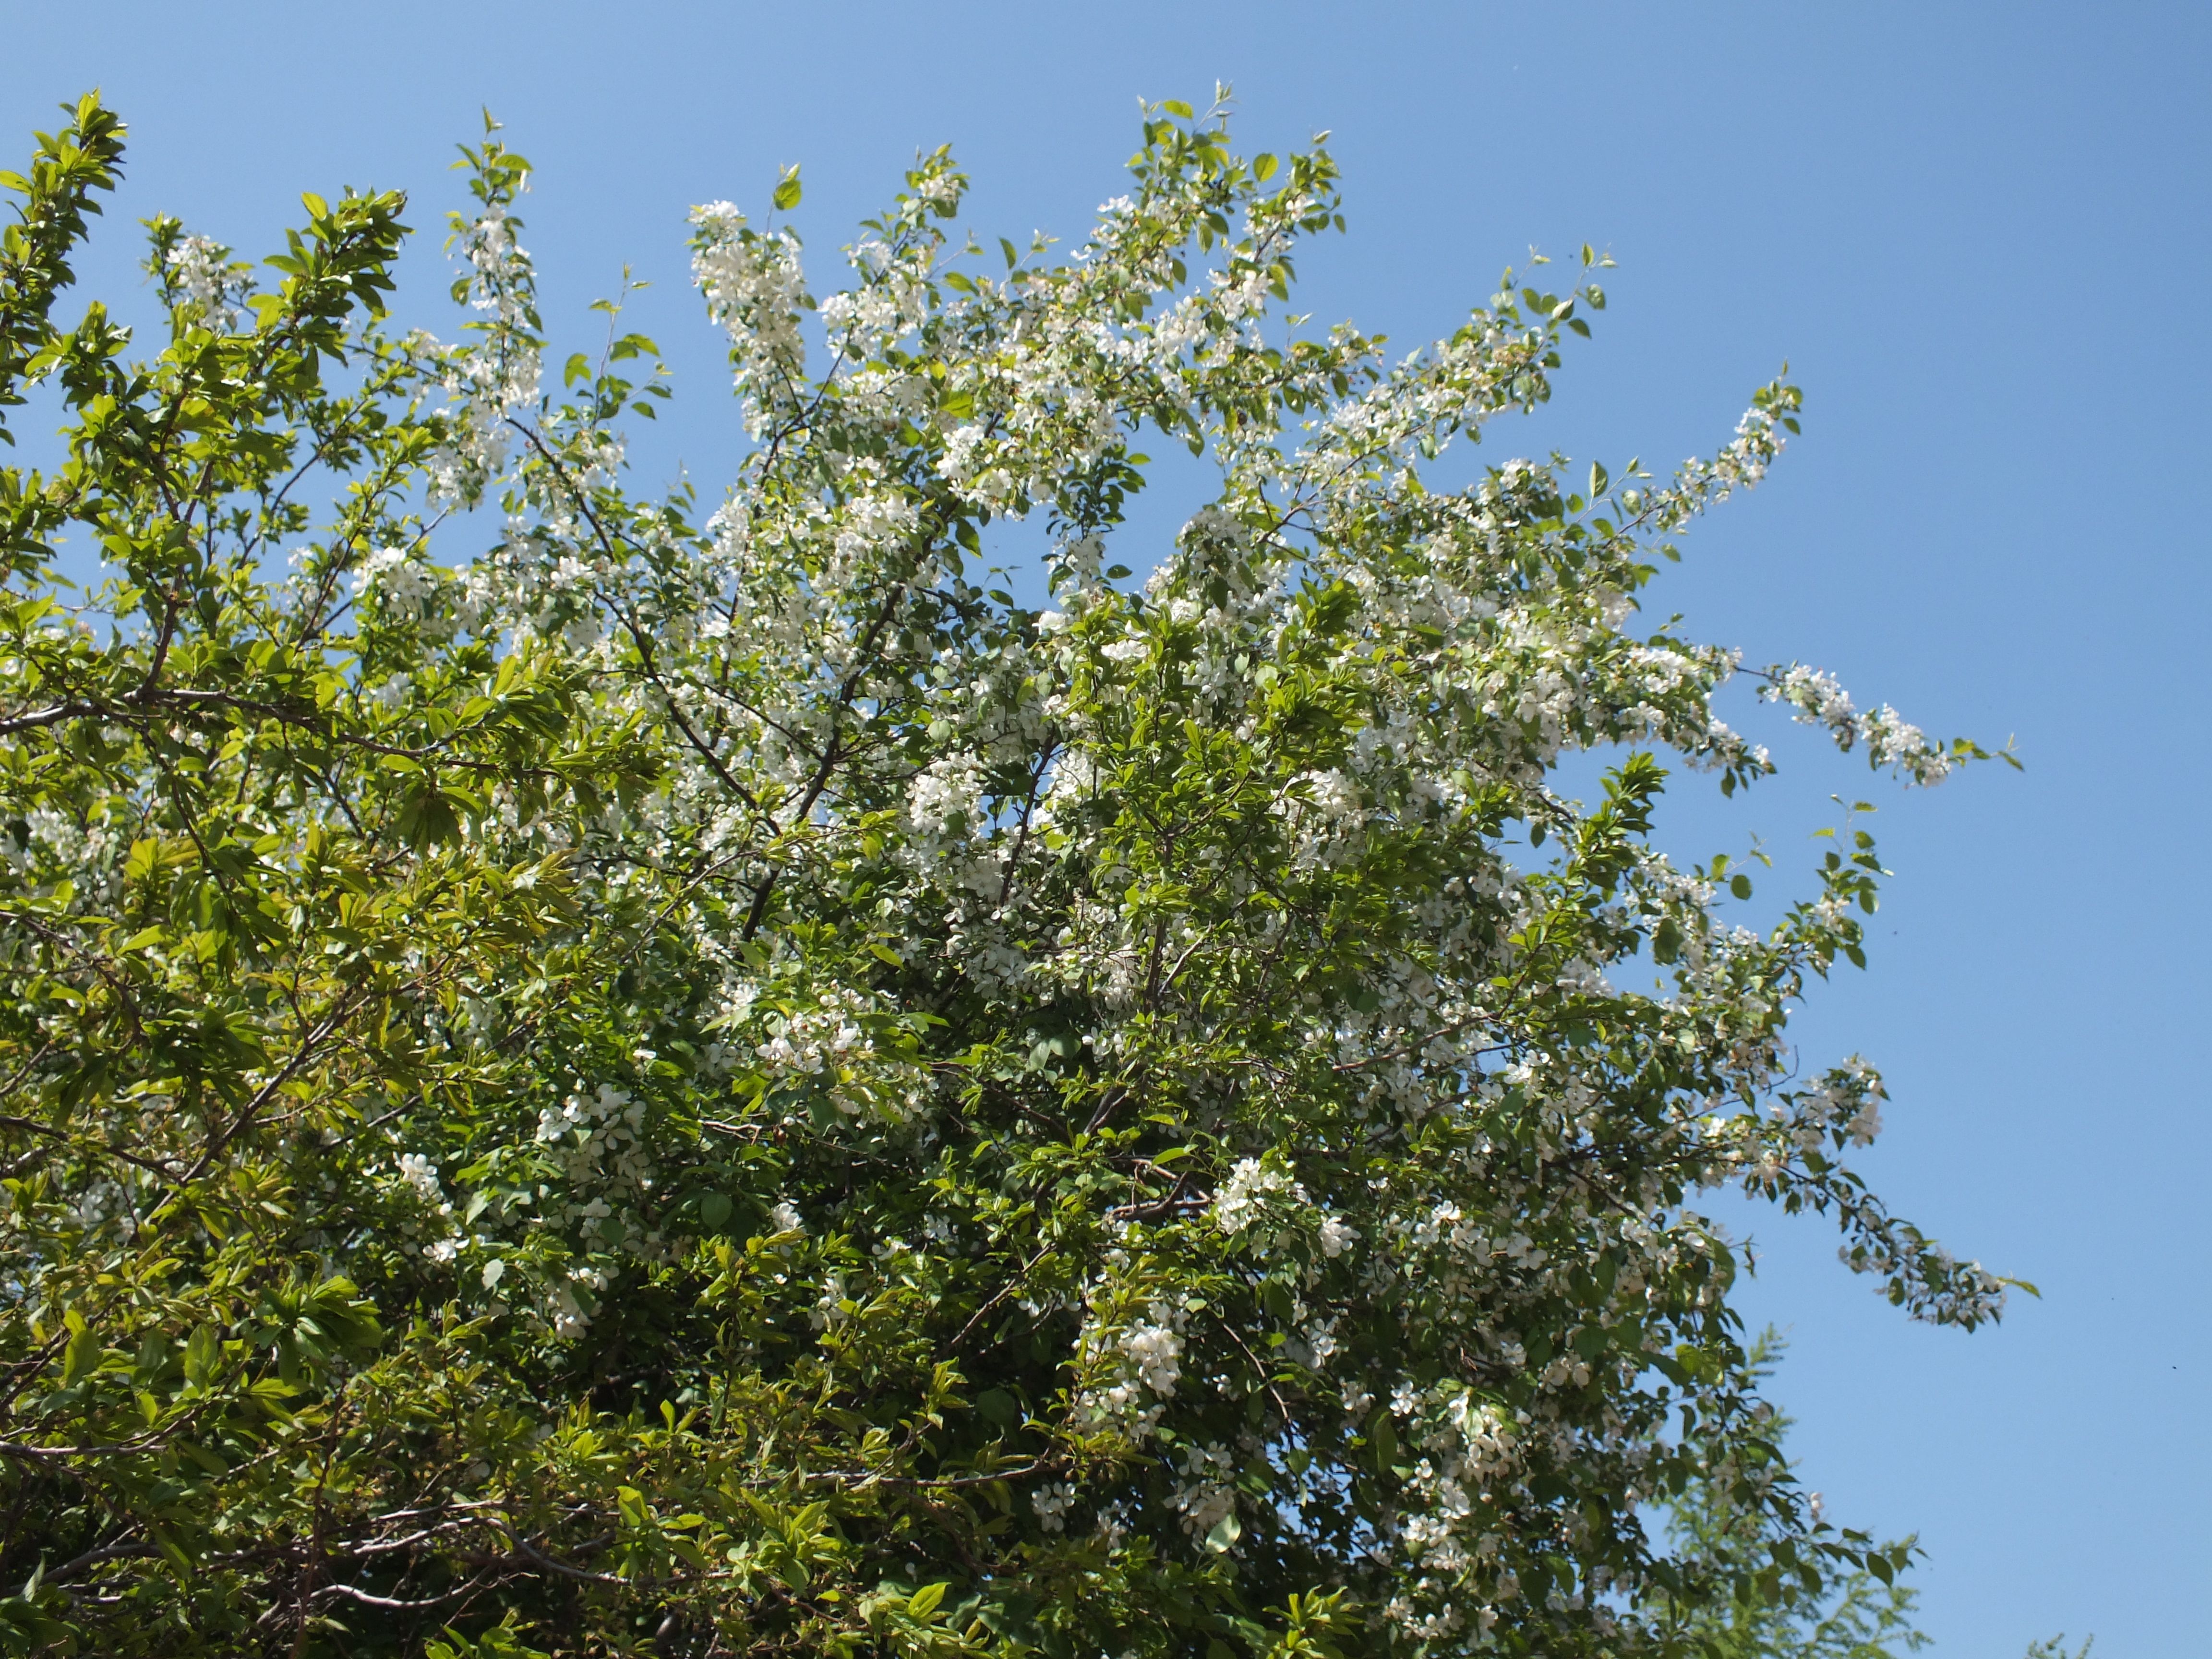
(596, 1074)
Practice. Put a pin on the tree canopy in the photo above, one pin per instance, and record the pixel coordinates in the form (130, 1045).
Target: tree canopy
(1729, 1541)
(598, 1074)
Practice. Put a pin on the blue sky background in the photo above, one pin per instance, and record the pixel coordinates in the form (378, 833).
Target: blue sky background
(1977, 235)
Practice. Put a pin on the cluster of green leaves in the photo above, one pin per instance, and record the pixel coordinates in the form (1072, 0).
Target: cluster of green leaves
(1770, 1610)
(281, 882)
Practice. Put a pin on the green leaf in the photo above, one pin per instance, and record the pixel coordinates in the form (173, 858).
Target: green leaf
(1384, 1433)
(202, 1353)
(81, 1353)
(924, 1601)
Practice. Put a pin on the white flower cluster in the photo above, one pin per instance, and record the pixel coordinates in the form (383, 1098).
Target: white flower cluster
(871, 521)
(421, 1173)
(1890, 740)
(944, 803)
(1325, 815)
(1249, 1194)
(571, 1299)
(206, 282)
(1136, 1367)
(1845, 1104)
(400, 582)
(488, 382)
(893, 298)
(1469, 1465)
(599, 1139)
(806, 1041)
(755, 290)
(1052, 1502)
(1154, 1351)
(828, 1041)
(1759, 439)
(427, 1228)
(1208, 1493)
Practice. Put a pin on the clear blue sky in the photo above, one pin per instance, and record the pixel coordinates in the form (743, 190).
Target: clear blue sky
(1976, 233)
